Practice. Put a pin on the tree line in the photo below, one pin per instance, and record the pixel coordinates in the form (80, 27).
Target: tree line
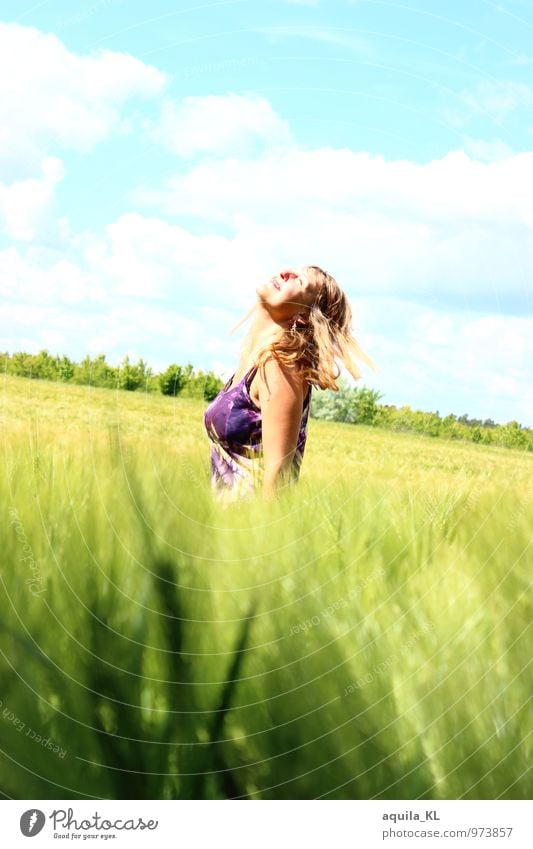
(351, 405)
(360, 406)
(175, 380)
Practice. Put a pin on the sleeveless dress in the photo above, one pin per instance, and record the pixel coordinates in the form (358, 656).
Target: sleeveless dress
(233, 424)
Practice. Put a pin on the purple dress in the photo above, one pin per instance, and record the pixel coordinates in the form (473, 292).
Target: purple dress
(233, 424)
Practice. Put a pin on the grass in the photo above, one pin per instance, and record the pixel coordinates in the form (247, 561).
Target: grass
(365, 637)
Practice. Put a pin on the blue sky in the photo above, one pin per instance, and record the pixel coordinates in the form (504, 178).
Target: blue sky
(162, 158)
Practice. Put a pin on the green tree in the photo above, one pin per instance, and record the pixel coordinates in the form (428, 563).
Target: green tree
(476, 434)
(133, 377)
(96, 372)
(174, 379)
(21, 364)
(212, 386)
(347, 404)
(65, 369)
(514, 436)
(333, 406)
(44, 366)
(367, 404)
(204, 385)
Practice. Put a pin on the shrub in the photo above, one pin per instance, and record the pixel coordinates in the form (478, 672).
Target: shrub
(348, 404)
(174, 379)
(95, 372)
(132, 377)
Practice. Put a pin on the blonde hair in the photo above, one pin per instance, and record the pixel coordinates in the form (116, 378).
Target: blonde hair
(326, 336)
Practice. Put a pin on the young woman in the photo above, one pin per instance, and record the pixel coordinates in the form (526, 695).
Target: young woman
(257, 424)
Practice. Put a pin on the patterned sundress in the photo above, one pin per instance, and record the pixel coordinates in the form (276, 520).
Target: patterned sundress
(233, 424)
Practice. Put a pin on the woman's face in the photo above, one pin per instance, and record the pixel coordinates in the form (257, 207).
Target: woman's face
(292, 290)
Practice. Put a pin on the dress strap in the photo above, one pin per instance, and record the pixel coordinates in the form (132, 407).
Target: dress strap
(228, 383)
(249, 376)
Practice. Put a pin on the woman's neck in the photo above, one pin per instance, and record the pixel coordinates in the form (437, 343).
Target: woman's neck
(264, 329)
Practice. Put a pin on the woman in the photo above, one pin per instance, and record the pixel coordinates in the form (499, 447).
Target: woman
(258, 422)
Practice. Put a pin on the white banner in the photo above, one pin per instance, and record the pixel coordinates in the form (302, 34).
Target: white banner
(261, 825)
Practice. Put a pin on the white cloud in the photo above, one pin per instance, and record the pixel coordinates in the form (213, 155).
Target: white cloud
(144, 257)
(353, 182)
(487, 151)
(498, 97)
(518, 59)
(36, 279)
(431, 359)
(56, 97)
(340, 36)
(454, 226)
(72, 310)
(231, 123)
(143, 279)
(453, 362)
(25, 204)
(491, 99)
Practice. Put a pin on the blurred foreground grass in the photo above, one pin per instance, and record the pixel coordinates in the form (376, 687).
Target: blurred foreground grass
(365, 637)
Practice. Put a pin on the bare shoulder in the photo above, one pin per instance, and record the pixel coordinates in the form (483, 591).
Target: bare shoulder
(280, 380)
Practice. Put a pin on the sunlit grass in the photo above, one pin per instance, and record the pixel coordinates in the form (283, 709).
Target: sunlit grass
(364, 637)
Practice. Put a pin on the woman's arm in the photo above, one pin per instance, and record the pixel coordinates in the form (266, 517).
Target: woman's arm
(281, 396)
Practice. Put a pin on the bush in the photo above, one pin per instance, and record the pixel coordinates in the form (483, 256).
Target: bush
(348, 404)
(95, 372)
(204, 385)
(174, 379)
(132, 377)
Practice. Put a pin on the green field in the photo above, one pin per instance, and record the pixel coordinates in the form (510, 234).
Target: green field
(365, 637)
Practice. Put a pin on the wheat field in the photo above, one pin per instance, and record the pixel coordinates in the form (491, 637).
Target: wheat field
(364, 637)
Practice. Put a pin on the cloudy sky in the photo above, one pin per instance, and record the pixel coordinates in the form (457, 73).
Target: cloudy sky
(160, 159)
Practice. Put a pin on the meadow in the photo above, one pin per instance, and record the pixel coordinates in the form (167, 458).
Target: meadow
(363, 637)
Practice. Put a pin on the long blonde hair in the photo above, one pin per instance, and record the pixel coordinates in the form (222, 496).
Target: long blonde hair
(326, 336)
